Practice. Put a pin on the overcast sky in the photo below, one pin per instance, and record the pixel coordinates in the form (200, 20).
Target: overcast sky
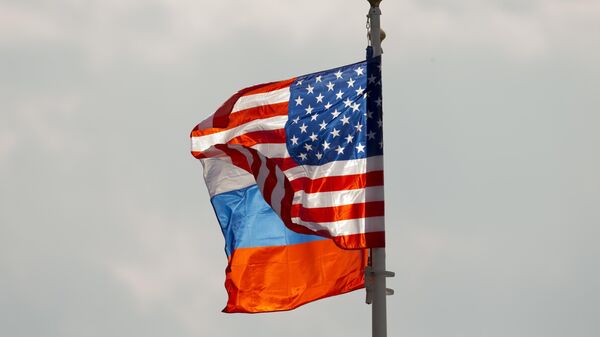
(492, 111)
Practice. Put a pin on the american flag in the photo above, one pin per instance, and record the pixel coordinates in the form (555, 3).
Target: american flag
(314, 146)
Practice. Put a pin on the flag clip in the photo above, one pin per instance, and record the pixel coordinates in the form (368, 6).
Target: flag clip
(369, 284)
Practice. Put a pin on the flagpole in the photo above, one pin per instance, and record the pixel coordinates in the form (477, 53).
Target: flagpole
(377, 255)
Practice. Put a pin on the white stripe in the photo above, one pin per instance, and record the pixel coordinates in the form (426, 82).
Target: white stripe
(265, 98)
(245, 152)
(204, 142)
(336, 168)
(339, 198)
(222, 176)
(278, 191)
(346, 227)
(272, 150)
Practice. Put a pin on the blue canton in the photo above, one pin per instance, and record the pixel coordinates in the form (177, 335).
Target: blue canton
(336, 114)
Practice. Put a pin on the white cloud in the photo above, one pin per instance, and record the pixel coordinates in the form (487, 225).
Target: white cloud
(41, 120)
(166, 267)
(525, 32)
(22, 24)
(8, 143)
(164, 32)
(156, 32)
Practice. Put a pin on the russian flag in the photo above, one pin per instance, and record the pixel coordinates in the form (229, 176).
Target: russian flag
(271, 268)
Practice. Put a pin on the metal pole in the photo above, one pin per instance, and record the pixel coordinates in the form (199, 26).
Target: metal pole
(375, 29)
(379, 306)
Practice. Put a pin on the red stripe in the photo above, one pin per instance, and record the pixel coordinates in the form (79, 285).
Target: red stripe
(271, 180)
(338, 183)
(262, 88)
(237, 158)
(285, 163)
(358, 241)
(255, 164)
(252, 138)
(244, 116)
(221, 116)
(198, 155)
(335, 213)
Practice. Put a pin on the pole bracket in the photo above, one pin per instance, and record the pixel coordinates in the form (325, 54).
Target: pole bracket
(369, 280)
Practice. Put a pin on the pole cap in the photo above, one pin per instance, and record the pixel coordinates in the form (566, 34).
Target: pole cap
(374, 3)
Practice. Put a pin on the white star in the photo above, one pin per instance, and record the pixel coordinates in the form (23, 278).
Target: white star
(360, 91)
(325, 145)
(358, 127)
(330, 86)
(381, 144)
(378, 101)
(339, 150)
(347, 102)
(318, 79)
(323, 125)
(308, 147)
(350, 83)
(339, 95)
(310, 89)
(299, 82)
(309, 110)
(360, 148)
(369, 114)
(372, 79)
(314, 117)
(335, 113)
(299, 100)
(320, 98)
(302, 156)
(345, 120)
(355, 107)
(296, 120)
(327, 106)
(379, 122)
(349, 139)
(294, 140)
(319, 155)
(338, 75)
(359, 71)
(303, 128)
(371, 134)
(313, 137)
(335, 132)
